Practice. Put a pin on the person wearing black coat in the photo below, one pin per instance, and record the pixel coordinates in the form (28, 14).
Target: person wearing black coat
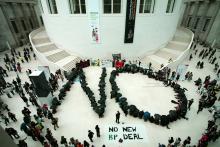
(24, 98)
(22, 143)
(85, 143)
(190, 103)
(117, 117)
(12, 116)
(63, 141)
(97, 130)
(12, 133)
(165, 121)
(54, 142)
(201, 65)
(90, 135)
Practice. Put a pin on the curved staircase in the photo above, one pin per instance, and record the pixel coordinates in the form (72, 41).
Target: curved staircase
(174, 49)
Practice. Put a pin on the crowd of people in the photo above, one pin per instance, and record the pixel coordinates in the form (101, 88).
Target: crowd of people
(163, 120)
(33, 125)
(208, 89)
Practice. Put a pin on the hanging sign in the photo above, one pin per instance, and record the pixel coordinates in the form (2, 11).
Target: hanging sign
(93, 14)
(130, 21)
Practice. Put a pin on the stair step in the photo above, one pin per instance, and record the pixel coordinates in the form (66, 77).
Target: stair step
(175, 46)
(176, 52)
(44, 44)
(53, 52)
(47, 48)
(158, 59)
(165, 54)
(58, 56)
(41, 40)
(71, 64)
(64, 61)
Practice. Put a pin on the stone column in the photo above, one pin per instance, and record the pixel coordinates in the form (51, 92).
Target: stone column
(33, 16)
(185, 15)
(216, 10)
(15, 8)
(194, 18)
(205, 5)
(3, 7)
(23, 5)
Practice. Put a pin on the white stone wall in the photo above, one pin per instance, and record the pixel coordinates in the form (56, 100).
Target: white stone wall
(71, 32)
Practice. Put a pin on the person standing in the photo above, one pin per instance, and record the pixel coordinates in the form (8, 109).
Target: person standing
(97, 130)
(6, 119)
(22, 143)
(201, 101)
(190, 57)
(150, 64)
(12, 116)
(190, 103)
(63, 141)
(19, 67)
(85, 143)
(24, 98)
(139, 63)
(117, 117)
(55, 122)
(186, 141)
(177, 77)
(90, 135)
(46, 144)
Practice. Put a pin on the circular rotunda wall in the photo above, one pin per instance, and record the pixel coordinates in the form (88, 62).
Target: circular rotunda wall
(73, 31)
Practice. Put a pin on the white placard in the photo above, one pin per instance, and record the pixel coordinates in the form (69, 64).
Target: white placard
(181, 70)
(128, 133)
(93, 14)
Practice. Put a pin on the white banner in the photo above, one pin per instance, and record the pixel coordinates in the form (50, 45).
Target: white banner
(93, 14)
(126, 133)
(181, 70)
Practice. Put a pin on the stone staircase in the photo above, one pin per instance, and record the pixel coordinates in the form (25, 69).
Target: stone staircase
(58, 56)
(172, 50)
(66, 61)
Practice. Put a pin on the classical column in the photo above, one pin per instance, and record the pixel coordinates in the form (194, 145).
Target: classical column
(216, 10)
(33, 15)
(26, 18)
(205, 6)
(3, 7)
(15, 8)
(193, 21)
(186, 13)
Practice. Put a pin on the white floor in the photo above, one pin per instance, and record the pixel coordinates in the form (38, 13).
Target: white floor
(76, 116)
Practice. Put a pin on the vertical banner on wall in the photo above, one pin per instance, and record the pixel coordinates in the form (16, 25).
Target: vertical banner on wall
(93, 14)
(130, 21)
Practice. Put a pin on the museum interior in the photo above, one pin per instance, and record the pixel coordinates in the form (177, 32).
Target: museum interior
(110, 73)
